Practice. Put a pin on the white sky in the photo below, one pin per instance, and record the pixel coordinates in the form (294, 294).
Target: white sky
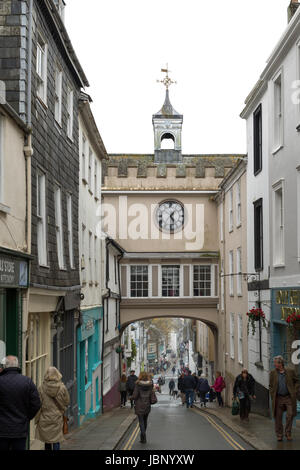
(216, 50)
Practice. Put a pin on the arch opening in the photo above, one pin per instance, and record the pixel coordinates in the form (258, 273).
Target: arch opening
(167, 141)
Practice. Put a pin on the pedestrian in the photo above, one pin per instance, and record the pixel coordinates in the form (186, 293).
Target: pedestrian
(173, 370)
(171, 386)
(244, 389)
(189, 384)
(123, 390)
(196, 380)
(181, 388)
(284, 386)
(142, 396)
(19, 403)
(50, 419)
(218, 387)
(203, 388)
(132, 378)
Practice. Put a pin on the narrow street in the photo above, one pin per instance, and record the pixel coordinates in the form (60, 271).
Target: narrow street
(172, 426)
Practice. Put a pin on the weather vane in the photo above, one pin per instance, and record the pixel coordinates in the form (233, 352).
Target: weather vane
(167, 81)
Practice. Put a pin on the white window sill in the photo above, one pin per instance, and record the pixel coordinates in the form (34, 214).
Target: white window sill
(4, 209)
(44, 266)
(279, 265)
(230, 230)
(239, 225)
(277, 149)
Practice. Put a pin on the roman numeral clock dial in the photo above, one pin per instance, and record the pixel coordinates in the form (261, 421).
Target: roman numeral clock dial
(170, 216)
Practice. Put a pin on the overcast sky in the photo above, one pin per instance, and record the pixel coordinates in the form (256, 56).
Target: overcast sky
(216, 50)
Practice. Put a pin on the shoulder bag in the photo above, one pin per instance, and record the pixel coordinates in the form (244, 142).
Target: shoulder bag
(153, 398)
(65, 418)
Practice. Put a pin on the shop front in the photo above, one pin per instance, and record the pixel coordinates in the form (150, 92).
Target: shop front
(285, 336)
(89, 364)
(14, 278)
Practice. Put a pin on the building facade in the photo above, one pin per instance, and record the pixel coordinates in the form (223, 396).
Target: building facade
(233, 306)
(89, 334)
(14, 249)
(43, 81)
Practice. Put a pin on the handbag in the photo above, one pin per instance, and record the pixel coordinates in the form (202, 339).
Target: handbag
(65, 428)
(235, 408)
(153, 398)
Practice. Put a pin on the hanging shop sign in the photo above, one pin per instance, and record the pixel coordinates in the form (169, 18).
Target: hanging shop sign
(13, 272)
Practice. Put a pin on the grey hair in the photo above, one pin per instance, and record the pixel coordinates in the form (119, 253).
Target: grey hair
(279, 359)
(10, 361)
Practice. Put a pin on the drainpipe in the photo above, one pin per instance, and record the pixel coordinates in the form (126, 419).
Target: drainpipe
(28, 152)
(119, 309)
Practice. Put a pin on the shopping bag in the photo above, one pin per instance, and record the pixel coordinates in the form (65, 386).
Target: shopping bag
(235, 408)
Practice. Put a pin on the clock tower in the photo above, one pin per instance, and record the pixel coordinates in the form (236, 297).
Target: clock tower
(167, 125)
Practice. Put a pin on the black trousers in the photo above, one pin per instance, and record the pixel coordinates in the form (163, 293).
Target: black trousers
(143, 420)
(245, 407)
(13, 444)
(123, 398)
(220, 399)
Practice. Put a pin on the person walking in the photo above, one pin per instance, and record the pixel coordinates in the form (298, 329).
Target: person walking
(203, 388)
(123, 390)
(284, 385)
(189, 384)
(50, 419)
(244, 389)
(142, 394)
(19, 403)
(196, 381)
(181, 388)
(173, 370)
(171, 386)
(132, 378)
(218, 387)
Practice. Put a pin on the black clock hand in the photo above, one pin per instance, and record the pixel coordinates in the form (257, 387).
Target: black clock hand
(172, 216)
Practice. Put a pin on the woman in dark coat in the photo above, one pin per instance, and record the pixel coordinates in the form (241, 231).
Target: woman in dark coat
(142, 399)
(244, 388)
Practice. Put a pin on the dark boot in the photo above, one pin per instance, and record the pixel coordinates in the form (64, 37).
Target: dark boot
(143, 439)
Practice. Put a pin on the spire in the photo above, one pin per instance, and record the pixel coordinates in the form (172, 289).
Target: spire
(167, 110)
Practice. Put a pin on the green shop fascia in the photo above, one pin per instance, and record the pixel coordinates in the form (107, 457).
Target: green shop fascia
(14, 281)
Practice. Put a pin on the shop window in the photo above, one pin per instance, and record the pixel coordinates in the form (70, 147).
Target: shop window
(38, 347)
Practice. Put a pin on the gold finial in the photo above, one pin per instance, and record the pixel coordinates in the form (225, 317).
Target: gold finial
(167, 81)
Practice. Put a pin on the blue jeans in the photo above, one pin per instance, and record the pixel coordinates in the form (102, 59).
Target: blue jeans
(189, 397)
(55, 446)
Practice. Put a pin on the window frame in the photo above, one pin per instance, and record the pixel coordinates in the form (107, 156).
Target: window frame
(238, 203)
(257, 140)
(230, 210)
(70, 229)
(143, 289)
(278, 112)
(240, 338)
(42, 71)
(41, 214)
(170, 287)
(239, 287)
(278, 242)
(58, 95)
(258, 238)
(202, 281)
(59, 227)
(70, 112)
(231, 335)
(231, 281)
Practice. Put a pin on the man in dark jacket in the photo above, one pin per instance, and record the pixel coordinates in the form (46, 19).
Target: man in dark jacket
(132, 378)
(203, 388)
(19, 403)
(189, 384)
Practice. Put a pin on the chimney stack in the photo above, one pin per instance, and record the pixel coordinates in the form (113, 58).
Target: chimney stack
(292, 9)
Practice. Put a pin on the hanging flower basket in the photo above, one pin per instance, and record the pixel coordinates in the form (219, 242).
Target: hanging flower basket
(293, 321)
(119, 350)
(254, 316)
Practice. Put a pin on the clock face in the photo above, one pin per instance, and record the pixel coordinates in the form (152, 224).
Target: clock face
(170, 216)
